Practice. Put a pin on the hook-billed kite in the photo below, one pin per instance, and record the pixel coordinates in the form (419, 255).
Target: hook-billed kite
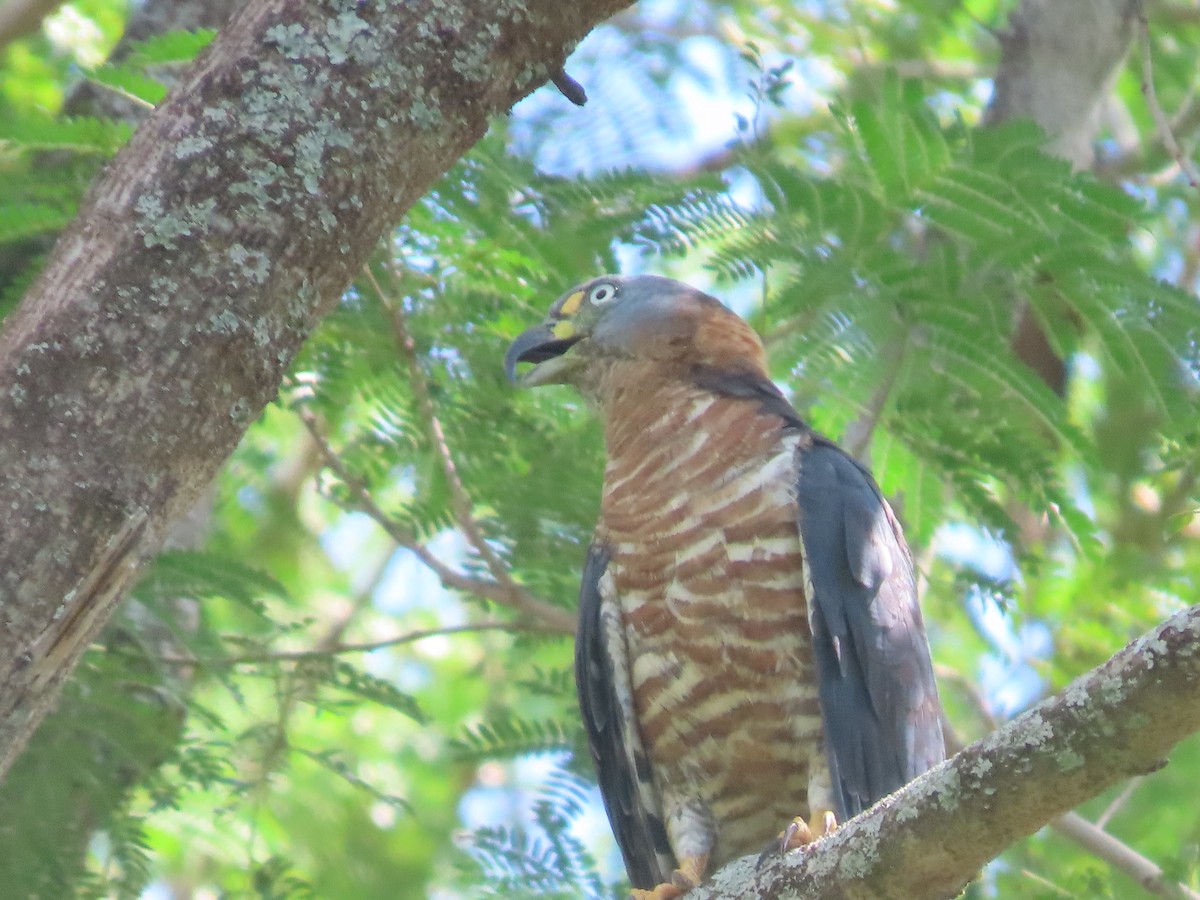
(750, 650)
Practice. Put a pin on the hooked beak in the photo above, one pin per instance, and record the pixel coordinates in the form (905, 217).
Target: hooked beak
(543, 345)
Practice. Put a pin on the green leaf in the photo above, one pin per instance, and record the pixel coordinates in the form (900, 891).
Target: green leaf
(80, 134)
(22, 220)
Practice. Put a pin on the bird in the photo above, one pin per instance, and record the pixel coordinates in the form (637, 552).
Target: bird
(750, 651)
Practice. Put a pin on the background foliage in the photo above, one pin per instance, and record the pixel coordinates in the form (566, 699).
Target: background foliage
(351, 677)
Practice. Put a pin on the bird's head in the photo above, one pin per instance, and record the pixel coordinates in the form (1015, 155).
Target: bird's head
(641, 319)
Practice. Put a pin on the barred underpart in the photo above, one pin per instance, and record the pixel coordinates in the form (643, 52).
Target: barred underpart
(699, 513)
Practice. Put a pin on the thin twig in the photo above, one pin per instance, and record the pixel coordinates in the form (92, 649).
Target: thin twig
(460, 499)
(123, 94)
(974, 694)
(1045, 882)
(1160, 117)
(857, 439)
(1103, 845)
(366, 647)
(522, 601)
(360, 601)
(1113, 808)
(1132, 159)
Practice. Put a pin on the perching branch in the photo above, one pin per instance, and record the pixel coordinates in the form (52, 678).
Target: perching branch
(553, 617)
(930, 839)
(1090, 836)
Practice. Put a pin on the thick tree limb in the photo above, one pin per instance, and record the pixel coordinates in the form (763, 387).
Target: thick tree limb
(21, 17)
(929, 839)
(199, 264)
(1058, 60)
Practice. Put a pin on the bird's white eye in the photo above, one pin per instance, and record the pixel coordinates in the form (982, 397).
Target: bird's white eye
(601, 294)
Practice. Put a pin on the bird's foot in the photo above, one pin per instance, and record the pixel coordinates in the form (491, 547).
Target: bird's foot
(664, 891)
(800, 834)
(689, 874)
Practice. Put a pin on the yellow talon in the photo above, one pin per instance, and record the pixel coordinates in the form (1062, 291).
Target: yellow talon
(689, 874)
(830, 822)
(800, 834)
(665, 891)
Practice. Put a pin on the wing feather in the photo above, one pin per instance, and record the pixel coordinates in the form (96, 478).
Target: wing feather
(606, 700)
(878, 696)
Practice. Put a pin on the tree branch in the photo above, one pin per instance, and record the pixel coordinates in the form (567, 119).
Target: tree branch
(460, 500)
(522, 601)
(1100, 843)
(1090, 836)
(929, 839)
(21, 17)
(201, 261)
(337, 648)
(1165, 132)
(1058, 59)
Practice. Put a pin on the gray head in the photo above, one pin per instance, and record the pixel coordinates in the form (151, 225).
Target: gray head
(644, 318)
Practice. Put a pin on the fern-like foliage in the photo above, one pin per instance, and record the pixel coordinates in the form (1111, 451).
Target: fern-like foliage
(897, 286)
(512, 736)
(136, 74)
(48, 160)
(542, 859)
(79, 135)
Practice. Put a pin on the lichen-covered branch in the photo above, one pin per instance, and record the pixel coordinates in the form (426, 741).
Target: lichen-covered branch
(1091, 836)
(200, 262)
(929, 839)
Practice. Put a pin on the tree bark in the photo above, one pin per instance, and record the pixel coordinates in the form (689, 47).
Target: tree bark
(47, 817)
(198, 265)
(1057, 64)
(21, 17)
(930, 838)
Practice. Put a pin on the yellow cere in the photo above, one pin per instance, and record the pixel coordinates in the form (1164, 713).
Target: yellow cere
(571, 305)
